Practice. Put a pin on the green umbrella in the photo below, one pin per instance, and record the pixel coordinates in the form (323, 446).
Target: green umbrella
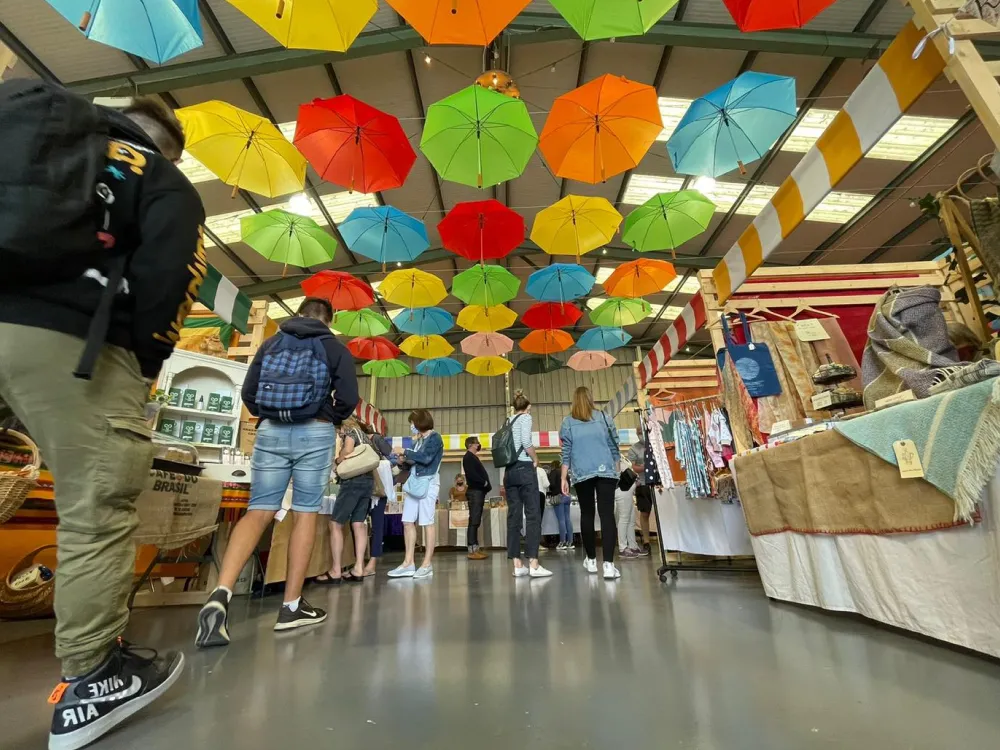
(386, 368)
(478, 137)
(539, 365)
(668, 220)
(485, 285)
(606, 19)
(288, 238)
(360, 323)
(618, 312)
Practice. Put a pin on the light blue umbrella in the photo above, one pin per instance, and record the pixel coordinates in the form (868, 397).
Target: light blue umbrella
(441, 367)
(560, 282)
(733, 125)
(384, 234)
(157, 31)
(603, 339)
(424, 321)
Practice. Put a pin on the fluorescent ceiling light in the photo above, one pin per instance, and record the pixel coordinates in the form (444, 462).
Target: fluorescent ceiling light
(603, 274)
(277, 312)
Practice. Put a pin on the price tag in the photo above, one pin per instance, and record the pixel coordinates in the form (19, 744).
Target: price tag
(822, 400)
(783, 426)
(908, 459)
(810, 330)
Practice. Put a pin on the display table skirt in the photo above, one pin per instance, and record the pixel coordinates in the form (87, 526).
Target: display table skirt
(701, 526)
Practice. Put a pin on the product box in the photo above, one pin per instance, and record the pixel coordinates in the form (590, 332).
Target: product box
(190, 399)
(174, 397)
(226, 435)
(189, 431)
(168, 427)
(208, 433)
(214, 402)
(226, 404)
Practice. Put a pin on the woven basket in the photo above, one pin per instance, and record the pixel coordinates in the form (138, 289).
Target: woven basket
(27, 604)
(15, 485)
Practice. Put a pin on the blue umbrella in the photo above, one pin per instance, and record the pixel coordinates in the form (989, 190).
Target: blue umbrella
(560, 282)
(384, 234)
(603, 339)
(733, 125)
(442, 367)
(157, 31)
(424, 321)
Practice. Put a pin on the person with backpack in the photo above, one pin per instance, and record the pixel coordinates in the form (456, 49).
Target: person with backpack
(102, 257)
(288, 386)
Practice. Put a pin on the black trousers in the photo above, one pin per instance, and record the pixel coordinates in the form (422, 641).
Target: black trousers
(377, 514)
(476, 500)
(521, 483)
(602, 491)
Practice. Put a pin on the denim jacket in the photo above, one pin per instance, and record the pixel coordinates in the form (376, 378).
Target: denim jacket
(427, 455)
(590, 449)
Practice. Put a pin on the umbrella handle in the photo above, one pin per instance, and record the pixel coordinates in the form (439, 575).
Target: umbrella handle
(85, 21)
(281, 9)
(743, 169)
(236, 190)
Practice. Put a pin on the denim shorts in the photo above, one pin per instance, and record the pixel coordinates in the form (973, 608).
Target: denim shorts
(354, 497)
(300, 453)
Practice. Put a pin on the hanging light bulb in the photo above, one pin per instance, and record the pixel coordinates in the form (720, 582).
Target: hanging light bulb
(705, 186)
(427, 59)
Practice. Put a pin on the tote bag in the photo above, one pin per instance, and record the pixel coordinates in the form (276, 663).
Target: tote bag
(753, 361)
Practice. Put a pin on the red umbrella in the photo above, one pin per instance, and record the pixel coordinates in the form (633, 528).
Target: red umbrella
(354, 145)
(761, 15)
(481, 230)
(375, 347)
(551, 315)
(340, 289)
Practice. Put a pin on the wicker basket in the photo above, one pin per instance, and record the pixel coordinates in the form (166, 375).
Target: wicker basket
(15, 485)
(27, 604)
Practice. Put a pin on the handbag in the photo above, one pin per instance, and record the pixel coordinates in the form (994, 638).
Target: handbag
(378, 490)
(363, 459)
(753, 361)
(417, 487)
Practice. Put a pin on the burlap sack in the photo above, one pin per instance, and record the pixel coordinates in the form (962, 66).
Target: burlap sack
(175, 509)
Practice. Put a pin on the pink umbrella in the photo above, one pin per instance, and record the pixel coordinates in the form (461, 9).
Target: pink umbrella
(487, 345)
(590, 361)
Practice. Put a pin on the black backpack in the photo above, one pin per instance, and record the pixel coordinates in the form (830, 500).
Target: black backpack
(503, 450)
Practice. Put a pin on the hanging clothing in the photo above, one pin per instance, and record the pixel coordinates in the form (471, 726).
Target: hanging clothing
(656, 453)
(743, 418)
(795, 362)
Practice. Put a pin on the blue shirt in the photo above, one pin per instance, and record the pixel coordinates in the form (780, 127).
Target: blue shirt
(426, 455)
(590, 449)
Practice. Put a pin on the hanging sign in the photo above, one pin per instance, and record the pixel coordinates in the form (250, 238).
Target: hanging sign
(810, 330)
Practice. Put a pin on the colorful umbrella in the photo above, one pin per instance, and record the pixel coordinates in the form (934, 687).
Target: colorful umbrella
(478, 137)
(551, 315)
(300, 24)
(639, 278)
(479, 319)
(575, 226)
(590, 361)
(560, 282)
(601, 129)
(288, 238)
(156, 31)
(440, 367)
(668, 220)
(618, 312)
(733, 125)
(426, 347)
(472, 22)
(374, 347)
(411, 287)
(384, 234)
(606, 19)
(539, 365)
(424, 321)
(764, 15)
(488, 367)
(481, 230)
(386, 368)
(354, 145)
(242, 149)
(546, 341)
(603, 339)
(485, 285)
(340, 289)
(360, 323)
(487, 345)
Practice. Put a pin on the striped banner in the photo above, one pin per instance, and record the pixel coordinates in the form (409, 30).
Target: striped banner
(538, 440)
(224, 298)
(369, 415)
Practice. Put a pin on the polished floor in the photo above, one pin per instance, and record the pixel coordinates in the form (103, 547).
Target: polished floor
(474, 660)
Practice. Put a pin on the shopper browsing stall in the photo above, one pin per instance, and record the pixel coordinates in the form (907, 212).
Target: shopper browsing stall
(561, 506)
(643, 492)
(625, 494)
(479, 485)
(379, 501)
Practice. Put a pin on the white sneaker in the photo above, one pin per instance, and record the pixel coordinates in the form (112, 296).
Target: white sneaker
(561, 546)
(403, 571)
(610, 571)
(539, 572)
(590, 565)
(521, 572)
(424, 572)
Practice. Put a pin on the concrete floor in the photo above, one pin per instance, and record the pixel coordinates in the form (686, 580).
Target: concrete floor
(476, 660)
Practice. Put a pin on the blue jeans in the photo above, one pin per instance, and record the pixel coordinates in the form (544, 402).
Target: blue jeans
(302, 452)
(565, 522)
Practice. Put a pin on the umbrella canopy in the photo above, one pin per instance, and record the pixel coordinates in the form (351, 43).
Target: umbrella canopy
(575, 226)
(560, 282)
(488, 367)
(539, 365)
(606, 19)
(411, 287)
(374, 347)
(763, 15)
(424, 321)
(288, 238)
(481, 230)
(546, 341)
(471, 22)
(618, 312)
(354, 145)
(340, 289)
(603, 339)
(733, 125)
(384, 234)
(590, 361)
(426, 347)
(386, 368)
(478, 137)
(479, 319)
(242, 149)
(310, 25)
(156, 31)
(487, 345)
(440, 367)
(485, 285)
(639, 278)
(601, 129)
(551, 315)
(668, 220)
(360, 323)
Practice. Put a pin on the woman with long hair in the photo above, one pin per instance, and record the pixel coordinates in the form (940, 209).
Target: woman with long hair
(520, 483)
(590, 456)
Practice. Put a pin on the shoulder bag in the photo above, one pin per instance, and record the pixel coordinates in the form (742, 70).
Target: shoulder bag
(362, 460)
(753, 361)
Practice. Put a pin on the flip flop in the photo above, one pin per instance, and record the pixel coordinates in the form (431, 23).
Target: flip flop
(368, 575)
(329, 580)
(349, 577)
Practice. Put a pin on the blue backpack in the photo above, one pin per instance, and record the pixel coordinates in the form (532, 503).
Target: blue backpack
(294, 379)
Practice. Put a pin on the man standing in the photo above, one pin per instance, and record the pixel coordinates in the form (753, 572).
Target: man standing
(479, 485)
(288, 386)
(643, 493)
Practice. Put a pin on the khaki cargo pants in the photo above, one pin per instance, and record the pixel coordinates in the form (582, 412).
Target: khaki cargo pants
(93, 439)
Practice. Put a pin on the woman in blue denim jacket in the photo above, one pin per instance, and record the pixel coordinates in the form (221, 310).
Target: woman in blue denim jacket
(590, 456)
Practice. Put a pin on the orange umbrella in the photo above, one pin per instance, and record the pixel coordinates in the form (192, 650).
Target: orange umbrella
(546, 341)
(601, 129)
(638, 278)
(473, 22)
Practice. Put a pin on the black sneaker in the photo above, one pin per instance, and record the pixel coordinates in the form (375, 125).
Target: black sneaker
(644, 550)
(90, 707)
(213, 621)
(300, 618)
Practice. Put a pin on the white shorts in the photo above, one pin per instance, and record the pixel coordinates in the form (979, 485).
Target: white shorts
(422, 512)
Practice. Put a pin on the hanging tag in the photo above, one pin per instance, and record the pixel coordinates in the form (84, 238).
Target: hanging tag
(810, 330)
(908, 459)
(751, 347)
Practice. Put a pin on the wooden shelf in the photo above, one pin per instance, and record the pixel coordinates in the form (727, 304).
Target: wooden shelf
(201, 413)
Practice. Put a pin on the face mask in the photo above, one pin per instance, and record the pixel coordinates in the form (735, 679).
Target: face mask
(414, 430)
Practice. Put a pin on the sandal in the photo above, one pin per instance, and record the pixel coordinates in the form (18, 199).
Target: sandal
(329, 580)
(349, 577)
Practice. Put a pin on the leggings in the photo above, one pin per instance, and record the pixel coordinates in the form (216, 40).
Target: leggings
(378, 526)
(603, 490)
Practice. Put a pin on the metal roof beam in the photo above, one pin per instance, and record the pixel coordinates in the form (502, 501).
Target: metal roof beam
(26, 56)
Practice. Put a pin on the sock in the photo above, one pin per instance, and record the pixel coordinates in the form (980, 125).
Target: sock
(229, 593)
(294, 605)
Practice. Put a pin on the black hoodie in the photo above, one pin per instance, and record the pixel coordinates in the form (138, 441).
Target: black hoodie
(344, 380)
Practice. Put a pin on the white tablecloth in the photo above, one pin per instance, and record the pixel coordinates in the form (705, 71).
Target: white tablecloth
(703, 526)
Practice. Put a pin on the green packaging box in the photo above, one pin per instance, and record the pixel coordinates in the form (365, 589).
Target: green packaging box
(226, 435)
(226, 404)
(208, 433)
(214, 402)
(190, 399)
(188, 430)
(168, 427)
(174, 397)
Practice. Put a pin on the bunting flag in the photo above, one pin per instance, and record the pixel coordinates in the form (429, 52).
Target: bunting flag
(224, 298)
(538, 440)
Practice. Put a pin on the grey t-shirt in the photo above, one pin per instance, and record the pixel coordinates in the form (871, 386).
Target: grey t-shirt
(637, 455)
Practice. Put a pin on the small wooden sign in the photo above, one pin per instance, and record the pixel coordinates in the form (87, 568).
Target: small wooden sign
(810, 330)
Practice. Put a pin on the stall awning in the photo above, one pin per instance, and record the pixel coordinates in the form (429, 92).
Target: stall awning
(222, 297)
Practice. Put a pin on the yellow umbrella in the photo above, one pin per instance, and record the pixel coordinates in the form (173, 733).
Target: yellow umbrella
(242, 149)
(575, 225)
(479, 319)
(412, 288)
(310, 24)
(426, 347)
(488, 367)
